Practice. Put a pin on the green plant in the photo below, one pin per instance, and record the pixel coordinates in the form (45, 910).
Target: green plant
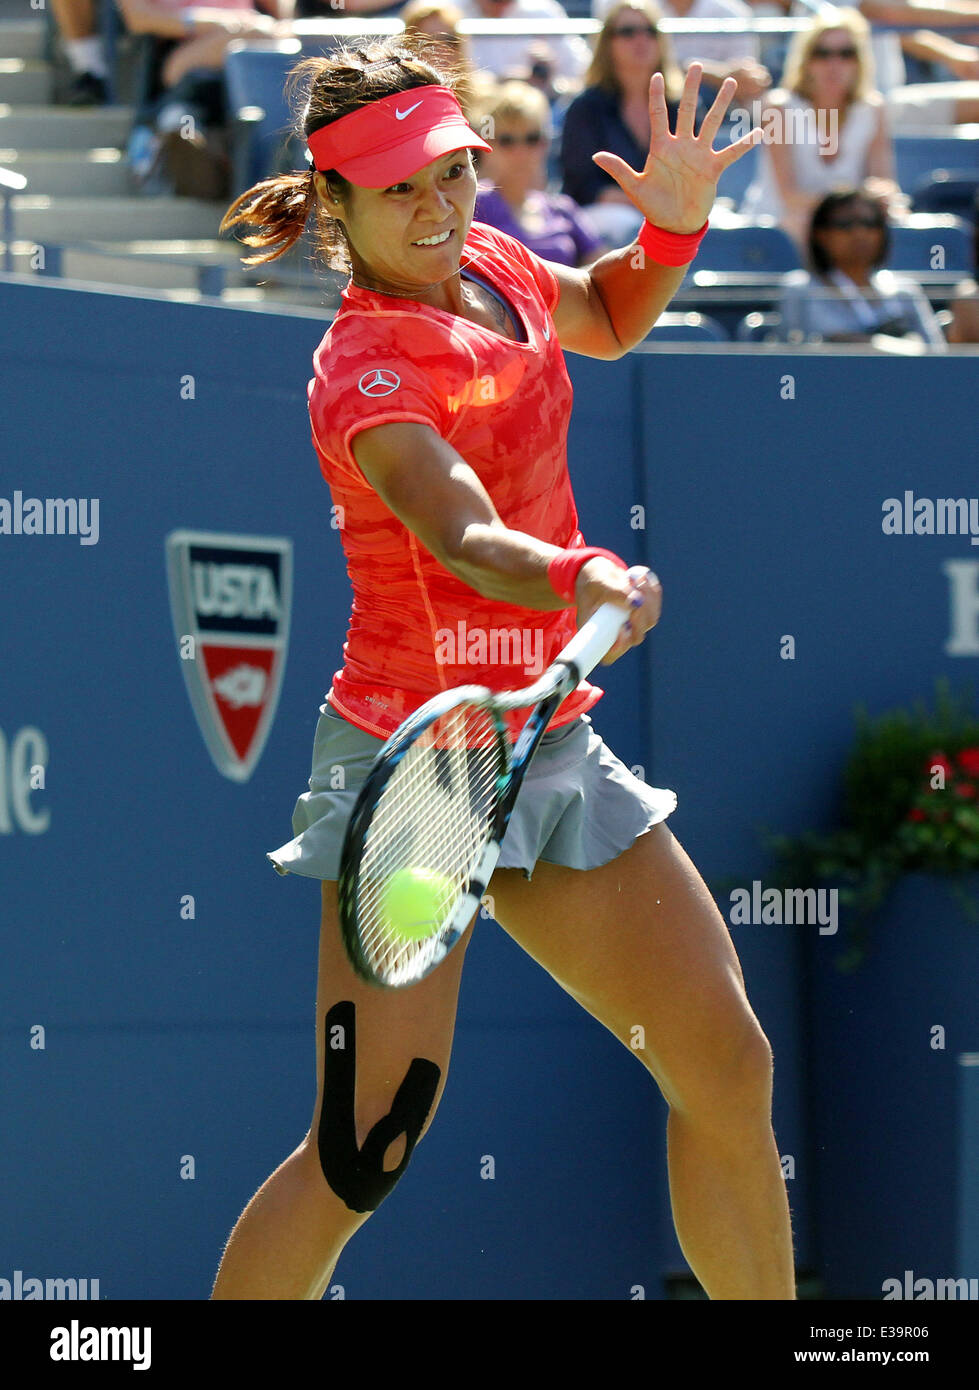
(910, 805)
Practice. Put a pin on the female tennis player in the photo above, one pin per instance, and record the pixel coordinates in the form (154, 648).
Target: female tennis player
(439, 413)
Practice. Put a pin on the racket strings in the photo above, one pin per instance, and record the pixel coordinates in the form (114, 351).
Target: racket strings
(435, 813)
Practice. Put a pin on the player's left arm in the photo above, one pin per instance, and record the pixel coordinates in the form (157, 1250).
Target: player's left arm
(608, 307)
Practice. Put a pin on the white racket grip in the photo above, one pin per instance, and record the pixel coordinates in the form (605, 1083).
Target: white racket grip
(597, 636)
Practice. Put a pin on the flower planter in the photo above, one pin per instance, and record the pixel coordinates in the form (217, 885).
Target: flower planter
(884, 1089)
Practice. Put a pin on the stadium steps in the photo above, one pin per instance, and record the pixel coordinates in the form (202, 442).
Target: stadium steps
(21, 37)
(30, 128)
(24, 81)
(100, 172)
(40, 217)
(81, 196)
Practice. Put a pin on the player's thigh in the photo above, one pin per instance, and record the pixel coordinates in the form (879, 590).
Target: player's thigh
(371, 1036)
(641, 944)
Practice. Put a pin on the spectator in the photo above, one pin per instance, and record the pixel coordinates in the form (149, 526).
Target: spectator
(179, 123)
(721, 55)
(507, 53)
(77, 25)
(438, 24)
(826, 127)
(612, 113)
(848, 298)
(964, 327)
(511, 193)
(927, 104)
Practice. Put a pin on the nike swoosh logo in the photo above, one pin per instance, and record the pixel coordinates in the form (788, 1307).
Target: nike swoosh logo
(400, 115)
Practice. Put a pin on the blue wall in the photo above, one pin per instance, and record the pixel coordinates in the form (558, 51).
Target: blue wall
(167, 1037)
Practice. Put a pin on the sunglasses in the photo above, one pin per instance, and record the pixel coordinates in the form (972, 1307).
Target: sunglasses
(629, 31)
(846, 224)
(848, 53)
(536, 137)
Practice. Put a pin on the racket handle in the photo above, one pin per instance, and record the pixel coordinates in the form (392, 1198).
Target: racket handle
(597, 636)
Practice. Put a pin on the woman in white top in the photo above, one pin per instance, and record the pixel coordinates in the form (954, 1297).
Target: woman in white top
(824, 128)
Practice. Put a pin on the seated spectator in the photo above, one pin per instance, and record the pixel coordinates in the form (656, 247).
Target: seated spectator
(848, 298)
(511, 193)
(925, 105)
(182, 118)
(964, 327)
(77, 23)
(826, 126)
(721, 55)
(437, 24)
(503, 55)
(612, 113)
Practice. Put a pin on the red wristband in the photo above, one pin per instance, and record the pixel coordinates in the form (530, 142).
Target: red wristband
(670, 248)
(563, 569)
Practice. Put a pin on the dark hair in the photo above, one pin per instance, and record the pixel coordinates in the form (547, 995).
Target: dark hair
(825, 214)
(321, 90)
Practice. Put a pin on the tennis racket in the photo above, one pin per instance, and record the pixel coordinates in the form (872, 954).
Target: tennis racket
(434, 810)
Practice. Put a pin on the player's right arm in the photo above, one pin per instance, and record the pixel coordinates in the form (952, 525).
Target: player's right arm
(437, 495)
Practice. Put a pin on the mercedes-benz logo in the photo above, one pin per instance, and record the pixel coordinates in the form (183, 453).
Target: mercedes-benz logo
(379, 382)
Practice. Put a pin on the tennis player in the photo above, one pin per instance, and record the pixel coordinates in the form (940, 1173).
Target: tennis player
(439, 411)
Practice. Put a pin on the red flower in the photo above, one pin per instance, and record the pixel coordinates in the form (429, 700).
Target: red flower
(968, 761)
(964, 789)
(916, 813)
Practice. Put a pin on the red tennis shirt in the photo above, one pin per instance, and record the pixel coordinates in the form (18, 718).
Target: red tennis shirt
(415, 629)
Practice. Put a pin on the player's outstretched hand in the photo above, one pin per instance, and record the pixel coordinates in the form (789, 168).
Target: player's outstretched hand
(678, 184)
(600, 581)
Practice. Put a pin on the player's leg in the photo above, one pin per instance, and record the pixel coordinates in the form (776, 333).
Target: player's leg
(381, 1063)
(641, 944)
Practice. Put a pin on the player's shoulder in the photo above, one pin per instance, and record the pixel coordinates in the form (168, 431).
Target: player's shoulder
(371, 326)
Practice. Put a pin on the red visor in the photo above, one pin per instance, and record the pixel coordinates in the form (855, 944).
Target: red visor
(391, 139)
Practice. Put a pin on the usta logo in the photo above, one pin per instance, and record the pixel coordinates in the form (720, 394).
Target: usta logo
(234, 591)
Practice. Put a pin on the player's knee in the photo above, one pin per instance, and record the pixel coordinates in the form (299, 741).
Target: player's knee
(362, 1174)
(729, 1081)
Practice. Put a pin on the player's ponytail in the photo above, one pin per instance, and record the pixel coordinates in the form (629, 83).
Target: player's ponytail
(322, 90)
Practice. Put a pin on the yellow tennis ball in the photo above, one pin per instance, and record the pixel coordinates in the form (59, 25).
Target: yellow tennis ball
(415, 900)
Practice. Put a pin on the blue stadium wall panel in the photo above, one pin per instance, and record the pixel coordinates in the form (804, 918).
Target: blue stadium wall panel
(170, 1039)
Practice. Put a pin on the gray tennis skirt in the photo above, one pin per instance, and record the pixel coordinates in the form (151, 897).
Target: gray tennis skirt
(578, 806)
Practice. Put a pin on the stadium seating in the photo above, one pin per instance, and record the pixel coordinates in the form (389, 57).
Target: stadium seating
(951, 191)
(255, 74)
(931, 243)
(686, 328)
(917, 157)
(748, 248)
(758, 328)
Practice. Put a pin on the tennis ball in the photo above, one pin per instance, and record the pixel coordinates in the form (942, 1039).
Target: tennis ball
(414, 900)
